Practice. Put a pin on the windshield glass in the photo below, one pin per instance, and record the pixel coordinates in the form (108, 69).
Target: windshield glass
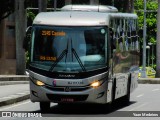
(70, 49)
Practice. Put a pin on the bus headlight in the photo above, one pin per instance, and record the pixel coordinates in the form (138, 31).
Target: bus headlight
(95, 84)
(39, 83)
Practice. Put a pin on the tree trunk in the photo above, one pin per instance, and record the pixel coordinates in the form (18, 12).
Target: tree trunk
(20, 25)
(68, 2)
(130, 6)
(158, 42)
(42, 4)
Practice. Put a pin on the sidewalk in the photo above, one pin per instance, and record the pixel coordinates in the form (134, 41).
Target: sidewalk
(15, 88)
(10, 94)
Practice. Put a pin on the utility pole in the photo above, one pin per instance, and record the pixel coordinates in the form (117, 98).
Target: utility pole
(144, 43)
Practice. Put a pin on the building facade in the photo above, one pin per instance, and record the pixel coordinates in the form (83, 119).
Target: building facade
(7, 46)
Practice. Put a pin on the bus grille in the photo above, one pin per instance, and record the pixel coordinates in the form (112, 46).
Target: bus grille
(62, 89)
(58, 98)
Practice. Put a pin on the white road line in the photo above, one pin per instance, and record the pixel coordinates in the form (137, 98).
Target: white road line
(155, 90)
(140, 106)
(140, 95)
(10, 107)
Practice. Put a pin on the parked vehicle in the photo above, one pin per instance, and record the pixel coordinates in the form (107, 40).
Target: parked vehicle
(149, 71)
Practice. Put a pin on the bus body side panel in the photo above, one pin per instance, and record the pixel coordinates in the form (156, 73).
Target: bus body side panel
(125, 53)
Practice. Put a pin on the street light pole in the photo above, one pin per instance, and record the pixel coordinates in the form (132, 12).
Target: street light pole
(152, 56)
(148, 48)
(152, 52)
(144, 43)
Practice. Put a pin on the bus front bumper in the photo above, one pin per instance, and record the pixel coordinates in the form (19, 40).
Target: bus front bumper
(90, 95)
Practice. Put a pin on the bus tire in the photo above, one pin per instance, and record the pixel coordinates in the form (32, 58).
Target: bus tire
(126, 98)
(44, 106)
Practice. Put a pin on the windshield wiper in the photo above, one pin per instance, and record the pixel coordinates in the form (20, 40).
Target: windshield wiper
(64, 52)
(77, 57)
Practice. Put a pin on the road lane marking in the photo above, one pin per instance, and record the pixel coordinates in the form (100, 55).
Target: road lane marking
(155, 90)
(10, 107)
(140, 106)
(140, 95)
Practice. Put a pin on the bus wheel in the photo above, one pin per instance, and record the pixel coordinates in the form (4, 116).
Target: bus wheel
(44, 106)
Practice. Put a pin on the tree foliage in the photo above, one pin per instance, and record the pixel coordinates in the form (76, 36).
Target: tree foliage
(6, 8)
(151, 20)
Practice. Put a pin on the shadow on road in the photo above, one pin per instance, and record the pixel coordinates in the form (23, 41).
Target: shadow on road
(85, 109)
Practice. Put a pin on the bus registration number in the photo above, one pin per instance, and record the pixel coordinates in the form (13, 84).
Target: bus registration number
(67, 100)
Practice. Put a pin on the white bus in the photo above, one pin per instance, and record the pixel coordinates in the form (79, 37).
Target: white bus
(83, 54)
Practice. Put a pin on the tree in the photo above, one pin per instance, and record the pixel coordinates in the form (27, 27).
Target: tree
(42, 4)
(158, 42)
(152, 6)
(20, 24)
(130, 6)
(6, 8)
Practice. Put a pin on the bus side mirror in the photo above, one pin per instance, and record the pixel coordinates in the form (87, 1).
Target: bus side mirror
(27, 38)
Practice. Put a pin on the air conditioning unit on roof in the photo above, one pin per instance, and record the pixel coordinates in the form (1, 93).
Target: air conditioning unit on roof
(94, 8)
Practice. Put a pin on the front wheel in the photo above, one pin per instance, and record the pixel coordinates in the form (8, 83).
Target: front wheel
(44, 106)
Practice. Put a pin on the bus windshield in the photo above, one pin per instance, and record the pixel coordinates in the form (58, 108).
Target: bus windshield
(70, 49)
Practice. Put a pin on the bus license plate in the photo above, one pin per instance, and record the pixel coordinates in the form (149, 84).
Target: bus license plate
(67, 100)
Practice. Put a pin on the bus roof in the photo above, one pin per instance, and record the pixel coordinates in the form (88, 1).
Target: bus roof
(78, 18)
(72, 18)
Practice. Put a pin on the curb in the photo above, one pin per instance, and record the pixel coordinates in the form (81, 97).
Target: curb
(149, 80)
(3, 83)
(14, 78)
(14, 100)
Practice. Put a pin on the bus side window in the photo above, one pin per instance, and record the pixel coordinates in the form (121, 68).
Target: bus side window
(113, 45)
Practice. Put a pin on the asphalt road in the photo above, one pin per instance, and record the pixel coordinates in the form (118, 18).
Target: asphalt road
(146, 99)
